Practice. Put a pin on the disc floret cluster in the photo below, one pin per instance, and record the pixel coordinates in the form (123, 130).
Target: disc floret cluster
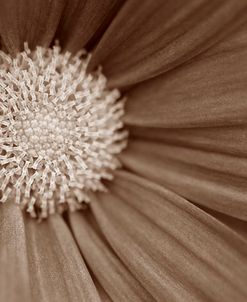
(60, 130)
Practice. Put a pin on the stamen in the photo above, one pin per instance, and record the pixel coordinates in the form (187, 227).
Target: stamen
(60, 130)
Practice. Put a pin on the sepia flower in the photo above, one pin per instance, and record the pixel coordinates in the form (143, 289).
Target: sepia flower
(123, 150)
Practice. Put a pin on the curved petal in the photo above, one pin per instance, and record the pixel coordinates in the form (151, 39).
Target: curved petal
(102, 293)
(197, 257)
(14, 275)
(148, 39)
(212, 160)
(34, 21)
(145, 267)
(56, 266)
(82, 19)
(209, 91)
(210, 179)
(105, 265)
(228, 140)
(237, 225)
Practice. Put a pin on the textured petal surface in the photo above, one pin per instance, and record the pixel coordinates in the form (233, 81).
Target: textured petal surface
(228, 140)
(210, 91)
(211, 179)
(56, 266)
(177, 250)
(102, 293)
(34, 21)
(211, 160)
(239, 226)
(148, 39)
(111, 273)
(82, 19)
(14, 276)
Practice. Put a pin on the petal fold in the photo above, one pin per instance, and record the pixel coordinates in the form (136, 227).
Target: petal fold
(237, 225)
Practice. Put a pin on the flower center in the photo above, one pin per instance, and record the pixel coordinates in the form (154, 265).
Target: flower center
(47, 132)
(60, 130)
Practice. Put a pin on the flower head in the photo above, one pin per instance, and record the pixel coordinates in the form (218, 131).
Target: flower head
(60, 129)
(172, 225)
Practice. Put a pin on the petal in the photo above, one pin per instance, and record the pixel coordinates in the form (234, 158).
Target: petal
(148, 39)
(82, 19)
(103, 295)
(210, 179)
(14, 275)
(239, 226)
(34, 21)
(106, 266)
(209, 91)
(211, 160)
(229, 140)
(147, 224)
(56, 266)
(2, 46)
(144, 267)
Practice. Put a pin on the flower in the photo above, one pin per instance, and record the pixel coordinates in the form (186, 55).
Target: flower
(172, 226)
